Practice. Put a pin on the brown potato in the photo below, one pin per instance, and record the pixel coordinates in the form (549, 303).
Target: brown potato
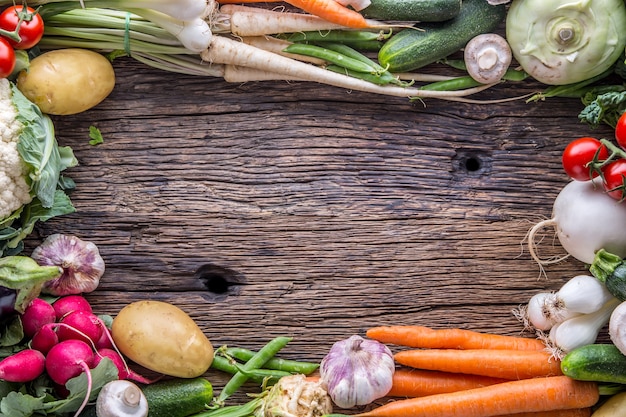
(67, 81)
(163, 338)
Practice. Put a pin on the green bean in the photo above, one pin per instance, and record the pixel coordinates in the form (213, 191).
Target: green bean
(453, 84)
(258, 376)
(383, 79)
(330, 56)
(291, 366)
(341, 36)
(257, 361)
(354, 54)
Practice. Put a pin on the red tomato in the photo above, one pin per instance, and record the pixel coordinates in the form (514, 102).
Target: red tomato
(615, 179)
(31, 28)
(579, 153)
(620, 131)
(7, 58)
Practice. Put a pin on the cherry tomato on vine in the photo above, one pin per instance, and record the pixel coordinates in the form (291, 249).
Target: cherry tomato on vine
(31, 28)
(579, 153)
(620, 131)
(615, 179)
(7, 58)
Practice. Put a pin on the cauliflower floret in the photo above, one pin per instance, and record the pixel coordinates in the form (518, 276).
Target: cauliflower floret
(14, 191)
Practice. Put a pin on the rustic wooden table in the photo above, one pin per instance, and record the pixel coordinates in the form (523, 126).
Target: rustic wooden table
(277, 208)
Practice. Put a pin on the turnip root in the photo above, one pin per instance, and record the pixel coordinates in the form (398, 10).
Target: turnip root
(586, 220)
(231, 52)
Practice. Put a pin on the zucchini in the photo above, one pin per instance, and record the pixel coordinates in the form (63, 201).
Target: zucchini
(413, 10)
(596, 362)
(610, 269)
(178, 397)
(411, 49)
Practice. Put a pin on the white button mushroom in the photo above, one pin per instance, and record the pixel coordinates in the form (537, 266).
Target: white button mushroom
(121, 398)
(487, 57)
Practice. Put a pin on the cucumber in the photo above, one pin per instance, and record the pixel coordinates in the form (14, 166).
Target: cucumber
(172, 398)
(610, 269)
(413, 10)
(411, 49)
(596, 362)
(178, 397)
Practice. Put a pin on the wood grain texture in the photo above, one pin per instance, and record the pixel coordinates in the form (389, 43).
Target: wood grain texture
(296, 209)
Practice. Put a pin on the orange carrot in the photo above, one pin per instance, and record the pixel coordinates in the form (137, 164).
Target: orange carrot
(497, 363)
(425, 337)
(523, 396)
(576, 412)
(328, 10)
(419, 383)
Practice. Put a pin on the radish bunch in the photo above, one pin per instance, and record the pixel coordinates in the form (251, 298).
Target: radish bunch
(66, 339)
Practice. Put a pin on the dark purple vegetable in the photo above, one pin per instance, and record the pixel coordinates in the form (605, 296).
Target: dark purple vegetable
(7, 302)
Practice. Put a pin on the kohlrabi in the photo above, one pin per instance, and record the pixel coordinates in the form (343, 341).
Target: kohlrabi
(566, 41)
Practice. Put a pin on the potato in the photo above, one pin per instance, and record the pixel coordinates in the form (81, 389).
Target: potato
(613, 407)
(163, 338)
(67, 81)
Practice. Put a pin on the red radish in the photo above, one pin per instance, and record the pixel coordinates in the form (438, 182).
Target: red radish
(23, 366)
(65, 305)
(124, 372)
(38, 313)
(45, 338)
(80, 325)
(68, 359)
(106, 340)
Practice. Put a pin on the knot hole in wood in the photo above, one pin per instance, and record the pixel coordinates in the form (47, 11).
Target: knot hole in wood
(218, 279)
(471, 162)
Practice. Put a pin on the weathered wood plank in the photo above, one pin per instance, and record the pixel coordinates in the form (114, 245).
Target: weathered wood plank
(312, 211)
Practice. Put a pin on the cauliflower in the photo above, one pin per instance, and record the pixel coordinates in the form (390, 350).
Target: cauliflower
(14, 190)
(295, 396)
(31, 185)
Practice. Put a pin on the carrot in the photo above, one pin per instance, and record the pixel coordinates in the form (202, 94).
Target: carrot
(256, 21)
(497, 363)
(575, 412)
(523, 396)
(328, 10)
(425, 337)
(419, 383)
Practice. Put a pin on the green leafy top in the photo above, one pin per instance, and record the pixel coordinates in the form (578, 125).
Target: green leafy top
(45, 159)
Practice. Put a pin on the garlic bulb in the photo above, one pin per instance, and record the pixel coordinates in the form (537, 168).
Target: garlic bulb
(80, 260)
(357, 371)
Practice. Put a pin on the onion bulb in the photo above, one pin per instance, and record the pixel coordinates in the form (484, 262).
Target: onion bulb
(566, 41)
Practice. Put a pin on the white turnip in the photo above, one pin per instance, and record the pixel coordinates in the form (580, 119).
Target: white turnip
(586, 219)
(23, 366)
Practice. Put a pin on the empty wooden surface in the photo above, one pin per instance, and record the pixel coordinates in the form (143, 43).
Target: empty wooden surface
(277, 208)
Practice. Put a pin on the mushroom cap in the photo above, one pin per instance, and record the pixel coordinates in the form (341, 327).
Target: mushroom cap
(121, 398)
(487, 57)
